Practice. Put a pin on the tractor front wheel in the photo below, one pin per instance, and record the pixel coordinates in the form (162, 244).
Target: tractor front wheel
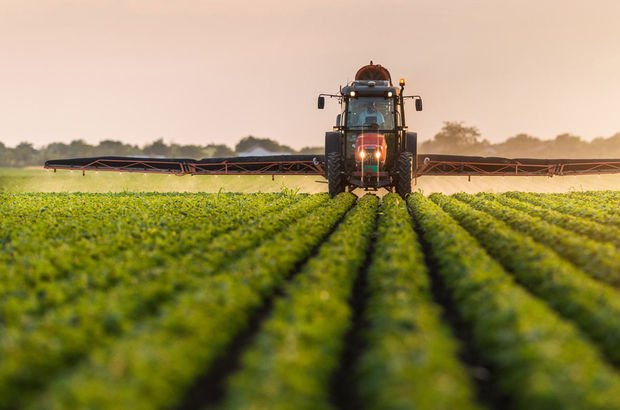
(335, 174)
(405, 172)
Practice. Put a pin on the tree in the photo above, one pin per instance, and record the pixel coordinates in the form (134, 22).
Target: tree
(116, 148)
(4, 155)
(79, 148)
(185, 151)
(455, 134)
(456, 138)
(156, 149)
(56, 150)
(568, 146)
(521, 145)
(606, 147)
(249, 143)
(218, 150)
(24, 154)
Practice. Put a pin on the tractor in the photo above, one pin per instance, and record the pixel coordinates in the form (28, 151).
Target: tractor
(370, 146)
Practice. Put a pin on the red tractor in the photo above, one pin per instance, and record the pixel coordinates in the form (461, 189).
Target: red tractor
(370, 147)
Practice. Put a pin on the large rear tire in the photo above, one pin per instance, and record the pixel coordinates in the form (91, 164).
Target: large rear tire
(335, 174)
(405, 174)
(412, 146)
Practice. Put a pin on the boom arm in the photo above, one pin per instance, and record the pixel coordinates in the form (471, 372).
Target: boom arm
(434, 164)
(268, 165)
(429, 164)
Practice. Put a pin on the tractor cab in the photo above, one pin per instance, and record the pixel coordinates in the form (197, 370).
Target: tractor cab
(370, 129)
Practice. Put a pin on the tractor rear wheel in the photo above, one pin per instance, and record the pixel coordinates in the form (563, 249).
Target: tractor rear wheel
(335, 174)
(405, 172)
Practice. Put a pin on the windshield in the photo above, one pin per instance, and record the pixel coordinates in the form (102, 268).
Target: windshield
(370, 113)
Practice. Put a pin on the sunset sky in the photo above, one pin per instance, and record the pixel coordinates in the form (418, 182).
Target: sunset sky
(191, 71)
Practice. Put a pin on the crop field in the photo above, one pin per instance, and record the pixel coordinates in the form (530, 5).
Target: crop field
(298, 301)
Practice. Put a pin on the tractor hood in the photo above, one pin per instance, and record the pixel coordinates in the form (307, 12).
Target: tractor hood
(370, 147)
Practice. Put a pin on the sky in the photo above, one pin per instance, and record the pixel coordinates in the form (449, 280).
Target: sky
(211, 71)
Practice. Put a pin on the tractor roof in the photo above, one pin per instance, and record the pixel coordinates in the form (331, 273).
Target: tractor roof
(367, 88)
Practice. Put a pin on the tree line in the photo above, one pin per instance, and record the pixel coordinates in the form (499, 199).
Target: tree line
(25, 154)
(459, 139)
(453, 138)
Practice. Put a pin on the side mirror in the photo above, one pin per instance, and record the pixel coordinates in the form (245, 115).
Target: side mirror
(321, 102)
(418, 104)
(338, 118)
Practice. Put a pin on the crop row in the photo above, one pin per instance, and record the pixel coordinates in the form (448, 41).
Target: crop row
(600, 260)
(298, 348)
(540, 360)
(585, 207)
(43, 346)
(592, 305)
(582, 226)
(153, 273)
(608, 200)
(42, 274)
(411, 357)
(301, 301)
(183, 340)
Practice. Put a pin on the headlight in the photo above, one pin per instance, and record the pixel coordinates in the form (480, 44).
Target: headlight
(362, 154)
(378, 155)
